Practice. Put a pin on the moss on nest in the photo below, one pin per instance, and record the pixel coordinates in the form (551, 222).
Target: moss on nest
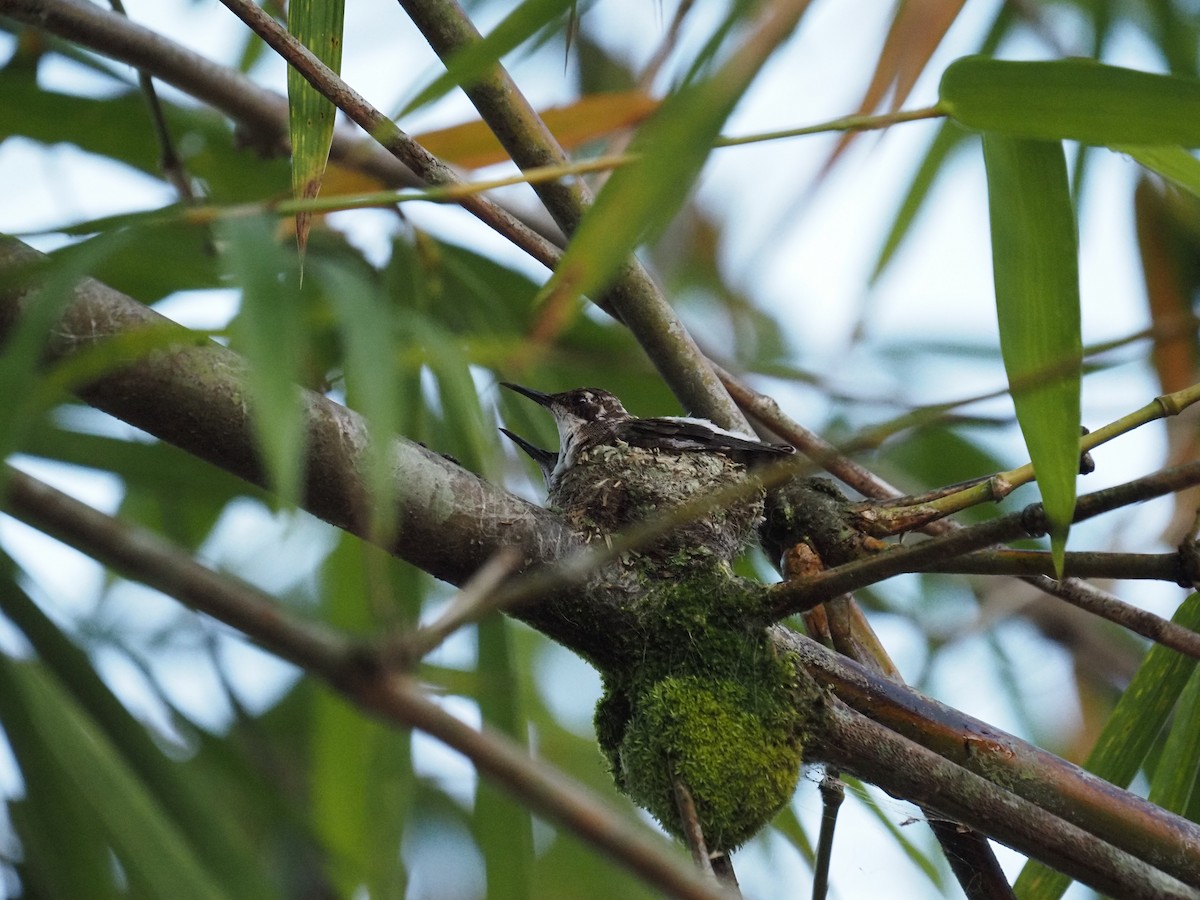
(709, 701)
(740, 761)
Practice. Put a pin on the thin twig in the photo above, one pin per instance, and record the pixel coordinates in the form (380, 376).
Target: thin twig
(794, 596)
(689, 821)
(1005, 561)
(833, 792)
(172, 164)
(470, 604)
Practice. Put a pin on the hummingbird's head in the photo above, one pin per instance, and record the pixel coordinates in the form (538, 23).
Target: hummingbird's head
(575, 408)
(585, 405)
(573, 412)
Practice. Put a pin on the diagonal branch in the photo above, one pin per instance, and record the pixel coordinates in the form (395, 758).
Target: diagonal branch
(932, 781)
(633, 297)
(263, 113)
(839, 734)
(361, 675)
(195, 397)
(1122, 819)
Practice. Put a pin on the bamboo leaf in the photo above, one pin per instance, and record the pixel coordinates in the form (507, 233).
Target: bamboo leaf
(318, 25)
(1173, 163)
(472, 144)
(368, 330)
(1131, 729)
(637, 201)
(269, 332)
(185, 792)
(1036, 272)
(67, 745)
(479, 56)
(1075, 99)
(1175, 776)
(503, 827)
(360, 771)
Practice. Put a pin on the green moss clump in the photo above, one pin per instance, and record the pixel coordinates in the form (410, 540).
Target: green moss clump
(740, 766)
(708, 700)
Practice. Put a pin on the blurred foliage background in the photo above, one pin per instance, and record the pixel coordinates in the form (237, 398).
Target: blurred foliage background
(152, 752)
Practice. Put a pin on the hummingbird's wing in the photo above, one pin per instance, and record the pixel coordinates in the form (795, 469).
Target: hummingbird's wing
(671, 433)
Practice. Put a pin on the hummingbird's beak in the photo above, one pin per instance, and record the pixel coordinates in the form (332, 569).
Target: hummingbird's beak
(544, 458)
(536, 396)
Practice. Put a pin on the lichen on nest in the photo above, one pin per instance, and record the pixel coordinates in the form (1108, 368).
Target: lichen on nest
(613, 486)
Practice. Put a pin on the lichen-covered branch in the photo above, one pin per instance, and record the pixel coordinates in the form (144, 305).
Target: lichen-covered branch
(194, 396)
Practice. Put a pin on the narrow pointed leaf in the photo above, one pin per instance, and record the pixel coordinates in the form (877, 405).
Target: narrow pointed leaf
(360, 771)
(1136, 721)
(318, 25)
(1175, 776)
(949, 136)
(1075, 99)
(368, 328)
(637, 201)
(269, 332)
(185, 793)
(480, 55)
(473, 144)
(1036, 272)
(1173, 163)
(915, 33)
(154, 855)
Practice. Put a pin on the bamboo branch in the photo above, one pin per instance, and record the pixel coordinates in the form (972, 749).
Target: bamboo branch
(1122, 819)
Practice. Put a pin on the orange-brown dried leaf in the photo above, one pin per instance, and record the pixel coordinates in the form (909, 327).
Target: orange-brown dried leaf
(473, 145)
(915, 33)
(1165, 250)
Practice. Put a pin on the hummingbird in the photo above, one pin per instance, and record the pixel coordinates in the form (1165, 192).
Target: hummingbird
(614, 469)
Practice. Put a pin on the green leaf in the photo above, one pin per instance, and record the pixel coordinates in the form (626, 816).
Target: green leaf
(360, 770)
(51, 736)
(269, 331)
(1075, 99)
(1135, 723)
(471, 63)
(1175, 777)
(639, 200)
(367, 326)
(1036, 271)
(503, 826)
(317, 24)
(185, 793)
(1173, 163)
(116, 127)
